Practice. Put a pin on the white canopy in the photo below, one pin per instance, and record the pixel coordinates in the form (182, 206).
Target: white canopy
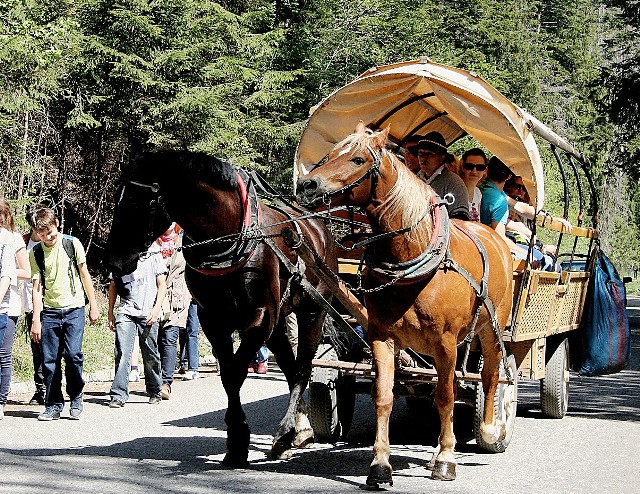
(419, 97)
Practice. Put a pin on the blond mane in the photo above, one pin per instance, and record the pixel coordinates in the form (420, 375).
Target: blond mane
(409, 197)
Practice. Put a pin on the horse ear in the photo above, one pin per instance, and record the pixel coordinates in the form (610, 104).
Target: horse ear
(360, 129)
(382, 136)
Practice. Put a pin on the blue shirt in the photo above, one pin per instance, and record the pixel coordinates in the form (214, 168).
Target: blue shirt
(494, 207)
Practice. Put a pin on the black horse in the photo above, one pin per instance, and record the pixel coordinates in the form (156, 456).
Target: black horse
(233, 274)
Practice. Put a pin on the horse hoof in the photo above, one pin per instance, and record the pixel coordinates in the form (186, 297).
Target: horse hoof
(280, 454)
(235, 461)
(303, 438)
(443, 470)
(379, 474)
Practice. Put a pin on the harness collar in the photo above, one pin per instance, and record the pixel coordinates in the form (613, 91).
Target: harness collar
(241, 250)
(427, 263)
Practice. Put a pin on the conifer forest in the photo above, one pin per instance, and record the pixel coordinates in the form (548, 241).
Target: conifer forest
(87, 84)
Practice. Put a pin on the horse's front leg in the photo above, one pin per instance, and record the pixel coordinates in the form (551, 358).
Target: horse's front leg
(380, 470)
(294, 428)
(233, 372)
(444, 467)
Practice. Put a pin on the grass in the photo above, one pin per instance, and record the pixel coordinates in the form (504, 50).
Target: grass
(97, 346)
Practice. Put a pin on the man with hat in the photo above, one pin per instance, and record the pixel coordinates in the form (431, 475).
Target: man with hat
(431, 150)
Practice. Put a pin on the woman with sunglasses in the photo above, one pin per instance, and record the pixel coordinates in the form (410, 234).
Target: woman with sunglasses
(473, 171)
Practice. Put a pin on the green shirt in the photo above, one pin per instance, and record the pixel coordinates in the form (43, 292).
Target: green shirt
(59, 293)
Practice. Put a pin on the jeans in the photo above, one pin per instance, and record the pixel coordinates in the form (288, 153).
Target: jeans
(62, 332)
(167, 344)
(262, 355)
(189, 355)
(6, 343)
(127, 328)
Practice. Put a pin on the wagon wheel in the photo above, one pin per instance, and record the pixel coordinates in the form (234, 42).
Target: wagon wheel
(331, 399)
(554, 388)
(505, 407)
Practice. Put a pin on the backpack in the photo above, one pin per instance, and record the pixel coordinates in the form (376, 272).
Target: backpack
(67, 244)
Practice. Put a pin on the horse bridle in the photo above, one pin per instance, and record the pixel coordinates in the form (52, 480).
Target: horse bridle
(373, 171)
(155, 202)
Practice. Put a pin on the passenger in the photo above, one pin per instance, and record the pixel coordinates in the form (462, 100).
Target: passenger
(141, 294)
(494, 208)
(433, 157)
(410, 156)
(473, 171)
(523, 206)
(518, 226)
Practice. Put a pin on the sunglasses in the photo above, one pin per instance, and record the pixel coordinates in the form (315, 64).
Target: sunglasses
(471, 166)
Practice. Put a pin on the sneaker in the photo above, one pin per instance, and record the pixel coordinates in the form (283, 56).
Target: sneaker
(50, 413)
(251, 368)
(165, 393)
(155, 399)
(37, 399)
(116, 403)
(190, 375)
(183, 369)
(134, 376)
(76, 408)
(262, 368)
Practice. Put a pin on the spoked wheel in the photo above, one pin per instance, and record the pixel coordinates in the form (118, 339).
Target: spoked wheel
(505, 406)
(331, 399)
(554, 388)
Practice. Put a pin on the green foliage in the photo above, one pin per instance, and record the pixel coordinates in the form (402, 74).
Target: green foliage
(86, 84)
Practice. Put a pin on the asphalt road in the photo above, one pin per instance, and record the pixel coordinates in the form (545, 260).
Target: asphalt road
(177, 446)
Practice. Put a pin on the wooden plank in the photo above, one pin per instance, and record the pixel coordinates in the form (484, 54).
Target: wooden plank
(414, 374)
(551, 223)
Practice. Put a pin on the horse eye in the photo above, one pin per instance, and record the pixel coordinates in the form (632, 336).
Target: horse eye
(358, 160)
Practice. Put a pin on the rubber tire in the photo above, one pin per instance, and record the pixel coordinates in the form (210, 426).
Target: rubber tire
(502, 392)
(323, 398)
(554, 388)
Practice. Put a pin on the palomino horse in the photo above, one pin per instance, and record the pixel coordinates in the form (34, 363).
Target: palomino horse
(431, 313)
(232, 272)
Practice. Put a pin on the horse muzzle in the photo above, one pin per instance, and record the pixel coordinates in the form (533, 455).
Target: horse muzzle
(310, 192)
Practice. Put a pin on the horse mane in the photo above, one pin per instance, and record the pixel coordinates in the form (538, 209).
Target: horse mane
(219, 173)
(409, 198)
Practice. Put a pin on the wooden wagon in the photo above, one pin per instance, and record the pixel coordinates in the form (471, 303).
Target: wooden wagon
(419, 97)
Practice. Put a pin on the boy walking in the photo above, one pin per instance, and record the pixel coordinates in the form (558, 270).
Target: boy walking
(60, 283)
(141, 295)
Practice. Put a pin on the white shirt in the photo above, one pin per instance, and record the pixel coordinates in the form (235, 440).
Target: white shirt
(15, 289)
(474, 205)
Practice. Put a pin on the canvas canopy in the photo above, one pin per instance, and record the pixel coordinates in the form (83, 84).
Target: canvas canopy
(422, 96)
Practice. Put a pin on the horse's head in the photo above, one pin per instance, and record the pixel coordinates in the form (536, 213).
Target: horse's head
(138, 219)
(350, 174)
